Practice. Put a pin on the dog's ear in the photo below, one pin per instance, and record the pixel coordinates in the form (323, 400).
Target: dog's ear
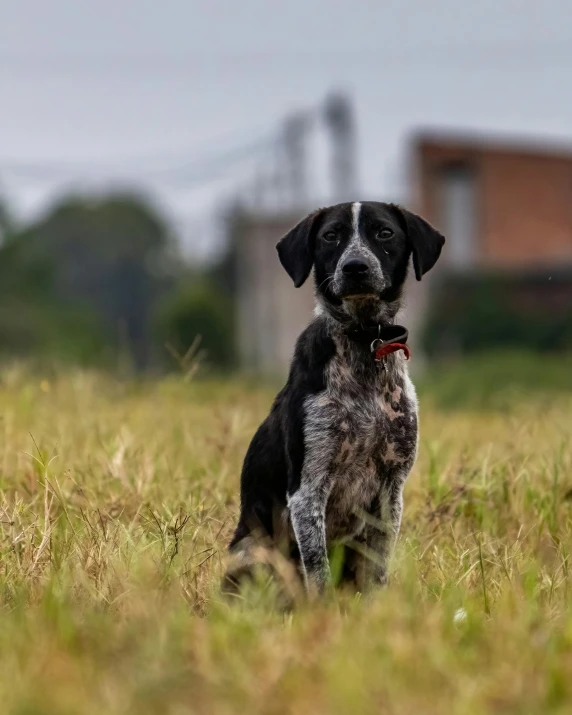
(296, 249)
(425, 241)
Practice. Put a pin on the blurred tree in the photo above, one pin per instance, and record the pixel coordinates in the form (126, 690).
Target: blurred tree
(499, 310)
(197, 308)
(104, 261)
(223, 271)
(202, 305)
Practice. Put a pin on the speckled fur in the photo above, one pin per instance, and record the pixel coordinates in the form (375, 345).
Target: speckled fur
(361, 442)
(329, 463)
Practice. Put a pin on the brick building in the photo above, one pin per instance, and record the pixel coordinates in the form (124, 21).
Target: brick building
(501, 204)
(505, 280)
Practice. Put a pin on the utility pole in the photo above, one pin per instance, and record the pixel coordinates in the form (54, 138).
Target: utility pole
(294, 141)
(338, 115)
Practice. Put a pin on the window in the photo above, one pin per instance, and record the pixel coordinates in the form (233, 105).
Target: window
(458, 212)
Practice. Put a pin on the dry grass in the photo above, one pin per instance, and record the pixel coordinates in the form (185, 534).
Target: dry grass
(117, 501)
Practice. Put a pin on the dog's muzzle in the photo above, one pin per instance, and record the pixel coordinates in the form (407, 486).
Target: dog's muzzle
(358, 276)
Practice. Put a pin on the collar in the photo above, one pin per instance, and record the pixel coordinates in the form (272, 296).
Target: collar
(382, 339)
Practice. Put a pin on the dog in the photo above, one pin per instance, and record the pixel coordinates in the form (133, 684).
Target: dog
(328, 465)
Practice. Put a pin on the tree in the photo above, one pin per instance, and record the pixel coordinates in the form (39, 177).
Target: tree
(197, 309)
(105, 261)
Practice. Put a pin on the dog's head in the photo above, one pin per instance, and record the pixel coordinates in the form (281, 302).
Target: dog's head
(360, 252)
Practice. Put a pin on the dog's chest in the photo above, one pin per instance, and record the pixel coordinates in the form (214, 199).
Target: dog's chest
(361, 435)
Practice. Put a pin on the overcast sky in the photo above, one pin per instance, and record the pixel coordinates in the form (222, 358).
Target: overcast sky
(126, 83)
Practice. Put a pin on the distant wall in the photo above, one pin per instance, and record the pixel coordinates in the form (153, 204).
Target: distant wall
(271, 312)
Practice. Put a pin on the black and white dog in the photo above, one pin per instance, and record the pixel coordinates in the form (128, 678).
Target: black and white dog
(331, 459)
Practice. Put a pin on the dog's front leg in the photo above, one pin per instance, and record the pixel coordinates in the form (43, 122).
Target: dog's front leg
(308, 515)
(380, 535)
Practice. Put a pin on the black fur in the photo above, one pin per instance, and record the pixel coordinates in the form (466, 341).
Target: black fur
(274, 459)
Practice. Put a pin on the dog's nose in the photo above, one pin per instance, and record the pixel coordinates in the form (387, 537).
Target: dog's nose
(355, 267)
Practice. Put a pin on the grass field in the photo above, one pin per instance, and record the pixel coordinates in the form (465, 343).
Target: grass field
(117, 499)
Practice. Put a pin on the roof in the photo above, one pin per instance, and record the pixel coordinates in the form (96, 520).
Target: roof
(476, 141)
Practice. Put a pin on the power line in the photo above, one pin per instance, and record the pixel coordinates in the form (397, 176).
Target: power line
(238, 139)
(263, 62)
(187, 169)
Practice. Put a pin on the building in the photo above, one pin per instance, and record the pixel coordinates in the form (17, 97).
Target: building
(503, 205)
(505, 280)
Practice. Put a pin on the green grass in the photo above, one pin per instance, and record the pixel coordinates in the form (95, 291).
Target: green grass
(117, 500)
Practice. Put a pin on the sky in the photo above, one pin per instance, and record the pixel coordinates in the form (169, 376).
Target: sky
(152, 93)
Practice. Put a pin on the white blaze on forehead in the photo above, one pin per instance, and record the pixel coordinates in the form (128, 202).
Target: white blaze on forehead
(356, 206)
(358, 248)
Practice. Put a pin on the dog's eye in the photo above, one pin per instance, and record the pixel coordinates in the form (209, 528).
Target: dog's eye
(385, 233)
(330, 237)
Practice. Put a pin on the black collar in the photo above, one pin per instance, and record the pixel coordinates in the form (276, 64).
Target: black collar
(365, 335)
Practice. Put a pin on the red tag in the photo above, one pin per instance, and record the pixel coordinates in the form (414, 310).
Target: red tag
(389, 348)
